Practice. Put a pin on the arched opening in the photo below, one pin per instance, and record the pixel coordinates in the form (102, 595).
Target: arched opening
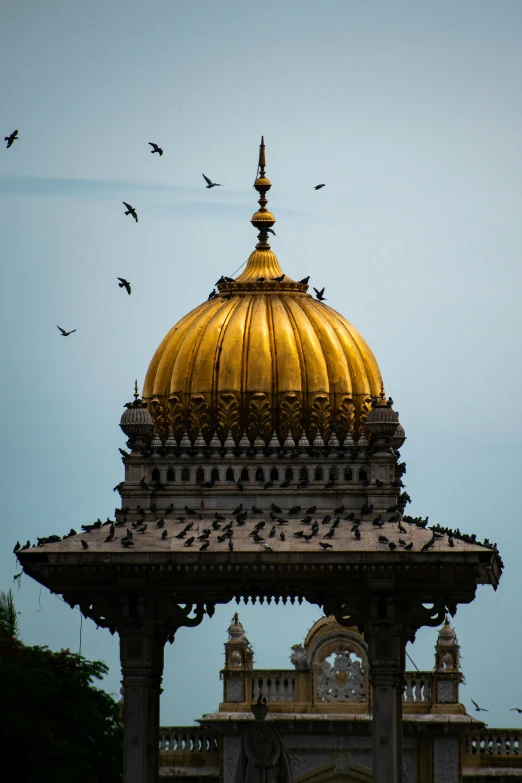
(334, 474)
(200, 475)
(214, 476)
(185, 474)
(363, 475)
(230, 475)
(318, 475)
(274, 474)
(303, 474)
(348, 475)
(171, 476)
(156, 475)
(244, 475)
(260, 474)
(289, 474)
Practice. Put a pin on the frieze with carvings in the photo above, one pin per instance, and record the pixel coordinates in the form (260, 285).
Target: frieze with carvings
(320, 417)
(290, 416)
(175, 416)
(228, 415)
(198, 416)
(259, 416)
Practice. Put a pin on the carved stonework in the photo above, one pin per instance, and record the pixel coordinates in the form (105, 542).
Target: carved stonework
(228, 415)
(341, 678)
(175, 416)
(231, 751)
(344, 418)
(198, 415)
(259, 416)
(160, 418)
(305, 762)
(235, 689)
(446, 692)
(446, 760)
(321, 416)
(361, 413)
(290, 417)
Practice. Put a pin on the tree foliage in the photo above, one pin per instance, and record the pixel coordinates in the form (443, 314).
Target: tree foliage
(55, 725)
(8, 616)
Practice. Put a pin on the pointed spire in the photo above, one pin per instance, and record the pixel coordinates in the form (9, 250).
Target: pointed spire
(136, 393)
(229, 446)
(262, 219)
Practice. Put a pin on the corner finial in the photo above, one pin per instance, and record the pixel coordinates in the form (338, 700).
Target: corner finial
(262, 219)
(136, 393)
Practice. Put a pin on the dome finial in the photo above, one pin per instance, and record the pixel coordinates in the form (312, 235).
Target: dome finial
(136, 393)
(262, 219)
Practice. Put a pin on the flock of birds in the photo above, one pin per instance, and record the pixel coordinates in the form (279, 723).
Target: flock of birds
(130, 210)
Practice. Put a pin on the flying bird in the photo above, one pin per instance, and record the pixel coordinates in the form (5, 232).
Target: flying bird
(124, 284)
(64, 333)
(272, 232)
(319, 294)
(211, 184)
(155, 148)
(478, 709)
(515, 709)
(318, 187)
(131, 211)
(11, 139)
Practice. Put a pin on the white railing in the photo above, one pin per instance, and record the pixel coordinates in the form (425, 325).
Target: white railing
(273, 685)
(418, 687)
(495, 742)
(187, 739)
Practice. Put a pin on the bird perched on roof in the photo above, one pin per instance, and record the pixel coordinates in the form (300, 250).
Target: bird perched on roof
(212, 294)
(124, 453)
(295, 510)
(318, 187)
(409, 546)
(324, 545)
(330, 534)
(451, 541)
(230, 545)
(276, 509)
(85, 545)
(282, 535)
(17, 547)
(164, 534)
(304, 281)
(401, 528)
(190, 511)
(478, 709)
(237, 510)
(160, 523)
(189, 541)
(311, 510)
(428, 544)
(280, 278)
(383, 540)
(127, 542)
(155, 148)
(380, 483)
(338, 510)
(124, 284)
(169, 509)
(131, 211)
(64, 333)
(357, 533)
(211, 184)
(204, 545)
(257, 510)
(319, 294)
(326, 519)
(267, 547)
(391, 545)
(11, 139)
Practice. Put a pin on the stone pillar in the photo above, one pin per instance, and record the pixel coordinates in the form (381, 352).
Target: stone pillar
(141, 654)
(386, 648)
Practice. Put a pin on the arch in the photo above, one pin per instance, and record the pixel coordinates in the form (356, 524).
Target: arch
(200, 475)
(363, 475)
(318, 473)
(171, 475)
(214, 475)
(303, 474)
(185, 474)
(156, 475)
(274, 474)
(260, 474)
(348, 474)
(245, 476)
(289, 474)
(230, 475)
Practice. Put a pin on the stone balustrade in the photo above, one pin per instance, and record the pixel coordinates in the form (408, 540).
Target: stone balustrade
(494, 742)
(418, 687)
(273, 685)
(187, 739)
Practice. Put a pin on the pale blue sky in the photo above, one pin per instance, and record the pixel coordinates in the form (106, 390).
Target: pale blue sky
(411, 113)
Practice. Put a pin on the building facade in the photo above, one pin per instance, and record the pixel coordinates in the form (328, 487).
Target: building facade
(323, 707)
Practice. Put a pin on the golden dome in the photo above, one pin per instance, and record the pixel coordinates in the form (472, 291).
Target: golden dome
(262, 355)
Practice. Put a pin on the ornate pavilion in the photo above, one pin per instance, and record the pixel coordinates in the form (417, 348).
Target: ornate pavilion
(323, 707)
(263, 463)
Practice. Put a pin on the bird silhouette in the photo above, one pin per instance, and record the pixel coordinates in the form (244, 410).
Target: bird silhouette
(304, 281)
(127, 542)
(155, 148)
(516, 709)
(189, 541)
(477, 708)
(324, 545)
(212, 294)
(311, 510)
(295, 510)
(124, 284)
(164, 534)
(282, 535)
(204, 545)
(319, 294)
(11, 139)
(257, 510)
(276, 509)
(124, 453)
(85, 545)
(279, 279)
(211, 184)
(17, 547)
(64, 333)
(239, 485)
(318, 187)
(230, 545)
(272, 232)
(131, 211)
